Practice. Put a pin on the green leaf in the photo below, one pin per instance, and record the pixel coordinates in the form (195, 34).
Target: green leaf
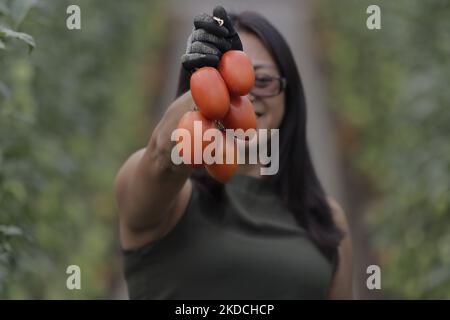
(8, 33)
(20, 9)
(2, 44)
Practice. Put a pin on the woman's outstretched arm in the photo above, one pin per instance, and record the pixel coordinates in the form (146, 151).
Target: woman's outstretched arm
(152, 192)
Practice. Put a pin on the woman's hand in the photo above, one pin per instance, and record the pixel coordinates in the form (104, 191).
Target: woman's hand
(211, 37)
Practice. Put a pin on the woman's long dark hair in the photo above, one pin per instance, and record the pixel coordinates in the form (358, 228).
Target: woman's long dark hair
(296, 181)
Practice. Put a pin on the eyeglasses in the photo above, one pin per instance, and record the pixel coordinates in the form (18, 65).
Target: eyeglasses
(268, 86)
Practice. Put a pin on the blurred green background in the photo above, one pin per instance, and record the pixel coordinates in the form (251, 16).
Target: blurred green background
(389, 89)
(75, 104)
(70, 113)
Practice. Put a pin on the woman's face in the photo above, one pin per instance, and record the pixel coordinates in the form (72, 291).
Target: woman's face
(269, 110)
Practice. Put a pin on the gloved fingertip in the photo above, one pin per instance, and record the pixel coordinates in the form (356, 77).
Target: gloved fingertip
(237, 45)
(220, 12)
(185, 62)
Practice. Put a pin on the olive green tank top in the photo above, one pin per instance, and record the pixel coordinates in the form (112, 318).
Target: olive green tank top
(247, 247)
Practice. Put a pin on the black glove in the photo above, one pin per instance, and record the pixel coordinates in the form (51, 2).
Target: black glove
(232, 37)
(210, 38)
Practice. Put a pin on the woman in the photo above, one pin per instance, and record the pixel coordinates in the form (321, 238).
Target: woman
(186, 236)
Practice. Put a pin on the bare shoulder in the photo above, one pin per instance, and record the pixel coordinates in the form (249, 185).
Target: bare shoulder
(125, 171)
(341, 287)
(132, 237)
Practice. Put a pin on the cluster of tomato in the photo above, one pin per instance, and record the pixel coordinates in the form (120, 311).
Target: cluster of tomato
(221, 98)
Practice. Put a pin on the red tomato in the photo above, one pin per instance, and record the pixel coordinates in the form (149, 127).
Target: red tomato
(236, 69)
(241, 114)
(210, 93)
(223, 172)
(187, 122)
